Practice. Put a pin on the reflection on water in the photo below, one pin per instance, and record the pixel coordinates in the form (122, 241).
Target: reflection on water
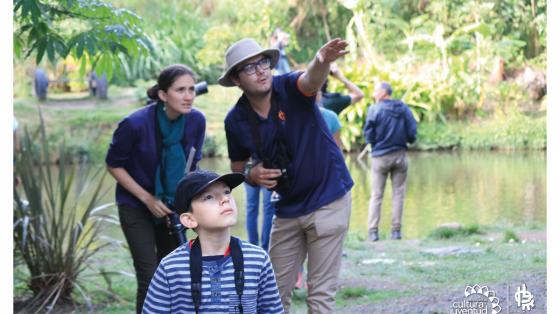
(468, 187)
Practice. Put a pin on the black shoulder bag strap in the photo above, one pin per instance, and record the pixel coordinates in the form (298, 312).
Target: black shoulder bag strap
(195, 263)
(254, 123)
(237, 256)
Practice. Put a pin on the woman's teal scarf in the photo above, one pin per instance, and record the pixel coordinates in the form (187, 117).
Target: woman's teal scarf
(172, 158)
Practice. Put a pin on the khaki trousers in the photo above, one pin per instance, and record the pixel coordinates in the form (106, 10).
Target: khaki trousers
(319, 236)
(396, 165)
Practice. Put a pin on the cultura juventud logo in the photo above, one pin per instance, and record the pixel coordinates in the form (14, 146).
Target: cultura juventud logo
(478, 300)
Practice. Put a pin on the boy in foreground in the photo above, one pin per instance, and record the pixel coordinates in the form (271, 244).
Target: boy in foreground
(214, 272)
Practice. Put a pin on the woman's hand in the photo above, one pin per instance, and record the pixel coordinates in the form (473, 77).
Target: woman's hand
(157, 207)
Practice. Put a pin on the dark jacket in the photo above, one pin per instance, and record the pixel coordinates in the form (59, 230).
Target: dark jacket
(136, 148)
(389, 126)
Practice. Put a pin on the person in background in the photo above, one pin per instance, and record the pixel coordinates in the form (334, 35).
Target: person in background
(280, 40)
(148, 156)
(253, 194)
(337, 101)
(333, 124)
(40, 84)
(389, 126)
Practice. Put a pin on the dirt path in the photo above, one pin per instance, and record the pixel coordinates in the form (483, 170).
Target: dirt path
(84, 101)
(432, 301)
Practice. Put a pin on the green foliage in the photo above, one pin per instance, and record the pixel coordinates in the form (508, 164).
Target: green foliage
(516, 131)
(215, 144)
(352, 292)
(448, 232)
(256, 19)
(200, 38)
(438, 55)
(176, 38)
(56, 231)
(93, 32)
(525, 22)
(437, 136)
(510, 236)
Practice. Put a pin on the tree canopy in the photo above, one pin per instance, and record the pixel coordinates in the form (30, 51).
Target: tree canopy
(93, 32)
(439, 55)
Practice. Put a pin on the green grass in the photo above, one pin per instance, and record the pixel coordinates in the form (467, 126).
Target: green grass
(351, 296)
(510, 236)
(413, 271)
(498, 261)
(514, 131)
(448, 233)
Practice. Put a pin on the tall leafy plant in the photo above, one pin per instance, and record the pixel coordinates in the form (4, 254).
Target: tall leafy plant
(55, 232)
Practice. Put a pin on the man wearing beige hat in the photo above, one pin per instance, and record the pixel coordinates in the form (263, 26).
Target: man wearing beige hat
(278, 138)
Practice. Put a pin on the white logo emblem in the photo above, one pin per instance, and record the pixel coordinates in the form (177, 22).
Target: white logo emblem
(478, 300)
(524, 298)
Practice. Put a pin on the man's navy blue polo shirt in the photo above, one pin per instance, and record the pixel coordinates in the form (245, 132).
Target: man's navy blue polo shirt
(318, 173)
(136, 148)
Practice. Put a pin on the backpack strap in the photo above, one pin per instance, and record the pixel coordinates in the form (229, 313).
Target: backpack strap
(195, 263)
(237, 257)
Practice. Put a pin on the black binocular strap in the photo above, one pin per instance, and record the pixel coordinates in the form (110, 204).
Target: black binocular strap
(195, 263)
(255, 132)
(254, 123)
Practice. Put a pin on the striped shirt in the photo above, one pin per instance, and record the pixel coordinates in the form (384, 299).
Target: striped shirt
(170, 288)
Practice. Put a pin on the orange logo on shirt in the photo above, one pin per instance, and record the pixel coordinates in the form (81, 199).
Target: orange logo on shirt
(281, 115)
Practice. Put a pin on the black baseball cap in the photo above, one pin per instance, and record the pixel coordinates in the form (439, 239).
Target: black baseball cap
(197, 181)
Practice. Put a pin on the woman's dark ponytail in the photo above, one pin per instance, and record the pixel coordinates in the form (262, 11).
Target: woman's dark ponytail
(153, 92)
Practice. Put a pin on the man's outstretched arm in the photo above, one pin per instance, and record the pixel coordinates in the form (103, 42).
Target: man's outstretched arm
(313, 78)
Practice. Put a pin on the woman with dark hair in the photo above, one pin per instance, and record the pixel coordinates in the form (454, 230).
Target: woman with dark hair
(147, 156)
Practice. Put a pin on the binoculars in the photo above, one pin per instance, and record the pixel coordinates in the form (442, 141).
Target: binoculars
(201, 88)
(175, 227)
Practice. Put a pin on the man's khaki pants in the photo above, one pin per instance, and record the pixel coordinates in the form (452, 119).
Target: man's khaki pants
(394, 164)
(319, 236)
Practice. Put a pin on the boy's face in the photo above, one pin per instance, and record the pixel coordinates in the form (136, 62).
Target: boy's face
(213, 208)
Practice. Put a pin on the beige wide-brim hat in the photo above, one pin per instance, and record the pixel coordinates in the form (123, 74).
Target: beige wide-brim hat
(241, 51)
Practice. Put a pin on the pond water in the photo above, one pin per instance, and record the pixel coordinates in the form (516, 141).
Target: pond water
(486, 188)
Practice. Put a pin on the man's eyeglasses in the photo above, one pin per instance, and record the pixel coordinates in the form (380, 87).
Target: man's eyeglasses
(251, 68)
